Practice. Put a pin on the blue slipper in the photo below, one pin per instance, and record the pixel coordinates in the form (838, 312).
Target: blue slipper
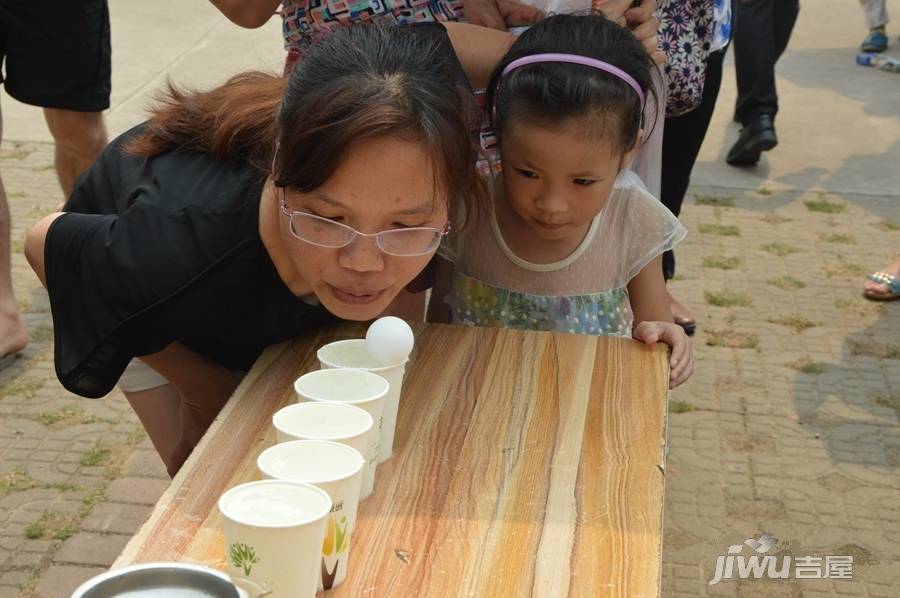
(876, 41)
(888, 280)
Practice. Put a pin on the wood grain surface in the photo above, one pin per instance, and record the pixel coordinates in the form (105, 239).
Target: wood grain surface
(525, 464)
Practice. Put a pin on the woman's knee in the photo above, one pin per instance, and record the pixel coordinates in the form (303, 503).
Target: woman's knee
(35, 240)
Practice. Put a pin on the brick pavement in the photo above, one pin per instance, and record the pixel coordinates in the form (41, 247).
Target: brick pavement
(788, 427)
(757, 446)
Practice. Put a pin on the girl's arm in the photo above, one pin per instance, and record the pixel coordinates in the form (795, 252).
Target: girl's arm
(247, 13)
(438, 311)
(653, 320)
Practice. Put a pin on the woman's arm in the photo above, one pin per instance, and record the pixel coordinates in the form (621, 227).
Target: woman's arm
(247, 13)
(479, 49)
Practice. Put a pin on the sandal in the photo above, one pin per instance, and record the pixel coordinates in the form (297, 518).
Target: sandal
(888, 280)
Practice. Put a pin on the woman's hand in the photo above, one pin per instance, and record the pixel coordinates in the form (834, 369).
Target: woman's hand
(641, 19)
(500, 14)
(681, 358)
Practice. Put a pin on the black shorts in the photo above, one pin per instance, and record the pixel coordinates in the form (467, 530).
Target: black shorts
(56, 53)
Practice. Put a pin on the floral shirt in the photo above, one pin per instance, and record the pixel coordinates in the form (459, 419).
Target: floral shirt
(307, 21)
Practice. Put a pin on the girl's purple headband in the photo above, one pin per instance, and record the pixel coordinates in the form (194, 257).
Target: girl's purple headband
(576, 59)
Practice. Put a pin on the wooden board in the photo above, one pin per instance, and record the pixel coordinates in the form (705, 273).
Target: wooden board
(525, 464)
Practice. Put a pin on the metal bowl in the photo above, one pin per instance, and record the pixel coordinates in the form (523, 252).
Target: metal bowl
(159, 580)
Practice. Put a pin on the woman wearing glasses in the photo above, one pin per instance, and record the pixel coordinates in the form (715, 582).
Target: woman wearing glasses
(240, 217)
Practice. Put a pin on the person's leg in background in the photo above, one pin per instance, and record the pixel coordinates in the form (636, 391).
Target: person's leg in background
(682, 137)
(13, 335)
(876, 20)
(79, 137)
(762, 29)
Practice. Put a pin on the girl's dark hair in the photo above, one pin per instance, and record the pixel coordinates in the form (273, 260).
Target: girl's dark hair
(359, 82)
(552, 92)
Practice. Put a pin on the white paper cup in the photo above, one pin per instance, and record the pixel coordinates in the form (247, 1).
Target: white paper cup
(338, 422)
(336, 469)
(352, 354)
(273, 534)
(359, 388)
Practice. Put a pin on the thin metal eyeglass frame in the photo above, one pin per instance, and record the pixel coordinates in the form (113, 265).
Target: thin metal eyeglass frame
(355, 233)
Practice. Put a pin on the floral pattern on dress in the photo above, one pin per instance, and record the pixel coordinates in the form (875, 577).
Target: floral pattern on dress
(685, 35)
(476, 303)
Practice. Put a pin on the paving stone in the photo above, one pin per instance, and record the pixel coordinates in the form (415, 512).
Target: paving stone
(85, 548)
(116, 517)
(60, 581)
(144, 464)
(142, 491)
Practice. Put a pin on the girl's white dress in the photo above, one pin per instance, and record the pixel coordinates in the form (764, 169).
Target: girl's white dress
(583, 293)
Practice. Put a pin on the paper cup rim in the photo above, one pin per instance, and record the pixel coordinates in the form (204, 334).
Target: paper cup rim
(298, 523)
(281, 446)
(294, 406)
(376, 369)
(332, 372)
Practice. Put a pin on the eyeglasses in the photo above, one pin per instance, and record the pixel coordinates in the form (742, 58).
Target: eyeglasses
(401, 242)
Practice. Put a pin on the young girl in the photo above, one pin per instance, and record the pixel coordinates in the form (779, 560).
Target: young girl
(574, 242)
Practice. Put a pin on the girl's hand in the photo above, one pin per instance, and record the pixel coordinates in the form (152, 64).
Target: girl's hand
(681, 358)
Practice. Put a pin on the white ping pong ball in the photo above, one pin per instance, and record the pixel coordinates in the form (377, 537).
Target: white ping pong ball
(389, 340)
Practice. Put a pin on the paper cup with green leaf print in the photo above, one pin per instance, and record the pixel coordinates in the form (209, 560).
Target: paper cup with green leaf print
(336, 469)
(356, 387)
(273, 534)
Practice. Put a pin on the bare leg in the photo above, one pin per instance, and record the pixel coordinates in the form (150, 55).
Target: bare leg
(13, 335)
(158, 409)
(80, 137)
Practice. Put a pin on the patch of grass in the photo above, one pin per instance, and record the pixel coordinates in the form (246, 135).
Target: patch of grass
(722, 230)
(95, 455)
(21, 386)
(859, 306)
(796, 321)
(16, 481)
(722, 263)
(887, 399)
(97, 496)
(680, 407)
(806, 366)
(825, 206)
(714, 200)
(787, 282)
(731, 339)
(15, 194)
(69, 416)
(779, 249)
(136, 435)
(728, 299)
(843, 268)
(678, 277)
(889, 225)
(18, 246)
(764, 191)
(53, 524)
(873, 349)
(42, 334)
(835, 238)
(773, 218)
